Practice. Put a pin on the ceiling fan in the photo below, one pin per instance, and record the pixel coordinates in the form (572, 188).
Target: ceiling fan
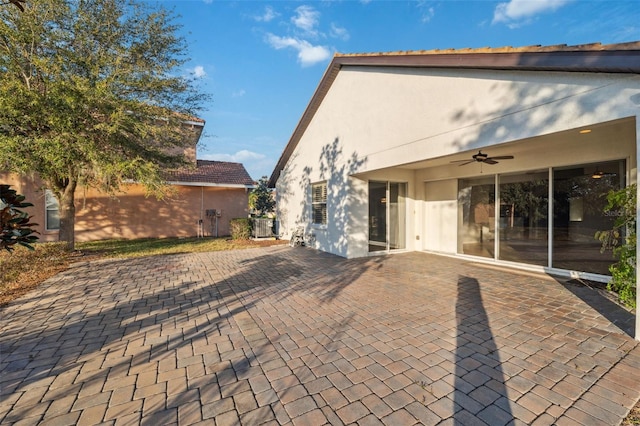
(481, 157)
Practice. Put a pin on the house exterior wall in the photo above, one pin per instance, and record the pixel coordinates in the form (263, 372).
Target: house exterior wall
(374, 122)
(133, 215)
(440, 208)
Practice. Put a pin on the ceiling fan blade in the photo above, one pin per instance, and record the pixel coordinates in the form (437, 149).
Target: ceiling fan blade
(490, 161)
(461, 161)
(502, 157)
(466, 162)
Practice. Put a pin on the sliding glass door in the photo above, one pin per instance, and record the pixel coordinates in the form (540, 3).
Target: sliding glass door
(507, 217)
(476, 229)
(387, 216)
(524, 218)
(579, 195)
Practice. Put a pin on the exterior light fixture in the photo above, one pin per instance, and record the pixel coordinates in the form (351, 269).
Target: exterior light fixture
(585, 131)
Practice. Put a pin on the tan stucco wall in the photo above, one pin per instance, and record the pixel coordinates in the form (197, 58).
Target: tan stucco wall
(132, 215)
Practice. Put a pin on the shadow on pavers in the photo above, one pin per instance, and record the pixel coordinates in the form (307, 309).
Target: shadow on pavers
(595, 295)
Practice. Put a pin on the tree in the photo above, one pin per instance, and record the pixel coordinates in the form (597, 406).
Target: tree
(92, 93)
(261, 198)
(15, 224)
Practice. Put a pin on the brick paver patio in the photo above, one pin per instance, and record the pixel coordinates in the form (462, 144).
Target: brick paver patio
(293, 336)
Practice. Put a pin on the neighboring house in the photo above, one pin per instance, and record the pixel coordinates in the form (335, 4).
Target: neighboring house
(382, 159)
(204, 199)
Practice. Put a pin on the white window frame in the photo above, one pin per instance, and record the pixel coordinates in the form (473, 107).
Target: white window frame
(50, 204)
(320, 201)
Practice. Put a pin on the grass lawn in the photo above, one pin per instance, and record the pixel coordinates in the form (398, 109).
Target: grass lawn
(23, 270)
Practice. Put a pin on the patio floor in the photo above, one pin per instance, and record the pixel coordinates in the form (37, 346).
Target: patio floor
(286, 335)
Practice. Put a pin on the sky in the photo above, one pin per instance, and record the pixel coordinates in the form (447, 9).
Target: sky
(261, 61)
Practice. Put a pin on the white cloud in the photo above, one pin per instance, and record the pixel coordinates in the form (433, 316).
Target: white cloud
(306, 18)
(238, 93)
(339, 32)
(199, 72)
(428, 14)
(268, 15)
(239, 157)
(519, 11)
(308, 54)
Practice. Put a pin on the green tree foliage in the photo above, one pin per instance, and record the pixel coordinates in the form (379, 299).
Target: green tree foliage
(15, 224)
(92, 93)
(261, 198)
(622, 240)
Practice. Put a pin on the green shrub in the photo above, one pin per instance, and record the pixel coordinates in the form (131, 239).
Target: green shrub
(622, 241)
(15, 224)
(240, 228)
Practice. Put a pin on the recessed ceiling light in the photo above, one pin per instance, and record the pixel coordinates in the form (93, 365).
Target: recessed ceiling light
(585, 131)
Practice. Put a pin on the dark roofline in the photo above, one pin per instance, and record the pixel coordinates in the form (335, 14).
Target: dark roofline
(594, 58)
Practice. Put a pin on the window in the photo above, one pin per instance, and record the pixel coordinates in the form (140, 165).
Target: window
(319, 203)
(52, 208)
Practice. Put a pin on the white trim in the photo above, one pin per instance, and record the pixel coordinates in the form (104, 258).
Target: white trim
(637, 124)
(50, 195)
(219, 185)
(554, 272)
(550, 222)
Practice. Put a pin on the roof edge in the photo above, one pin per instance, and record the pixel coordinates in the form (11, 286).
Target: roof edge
(590, 47)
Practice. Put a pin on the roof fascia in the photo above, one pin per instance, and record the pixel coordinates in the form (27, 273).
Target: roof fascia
(602, 61)
(329, 76)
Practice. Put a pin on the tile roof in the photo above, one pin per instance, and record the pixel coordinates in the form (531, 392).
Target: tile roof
(592, 47)
(212, 172)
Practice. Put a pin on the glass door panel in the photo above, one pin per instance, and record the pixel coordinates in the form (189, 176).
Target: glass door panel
(476, 227)
(579, 195)
(377, 216)
(397, 215)
(387, 216)
(524, 218)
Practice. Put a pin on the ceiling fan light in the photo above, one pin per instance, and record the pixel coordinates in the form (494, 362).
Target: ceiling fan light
(597, 174)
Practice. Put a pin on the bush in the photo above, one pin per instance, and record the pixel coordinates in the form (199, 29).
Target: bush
(240, 228)
(16, 224)
(623, 272)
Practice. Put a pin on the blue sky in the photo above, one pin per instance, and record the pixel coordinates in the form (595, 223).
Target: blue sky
(261, 61)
